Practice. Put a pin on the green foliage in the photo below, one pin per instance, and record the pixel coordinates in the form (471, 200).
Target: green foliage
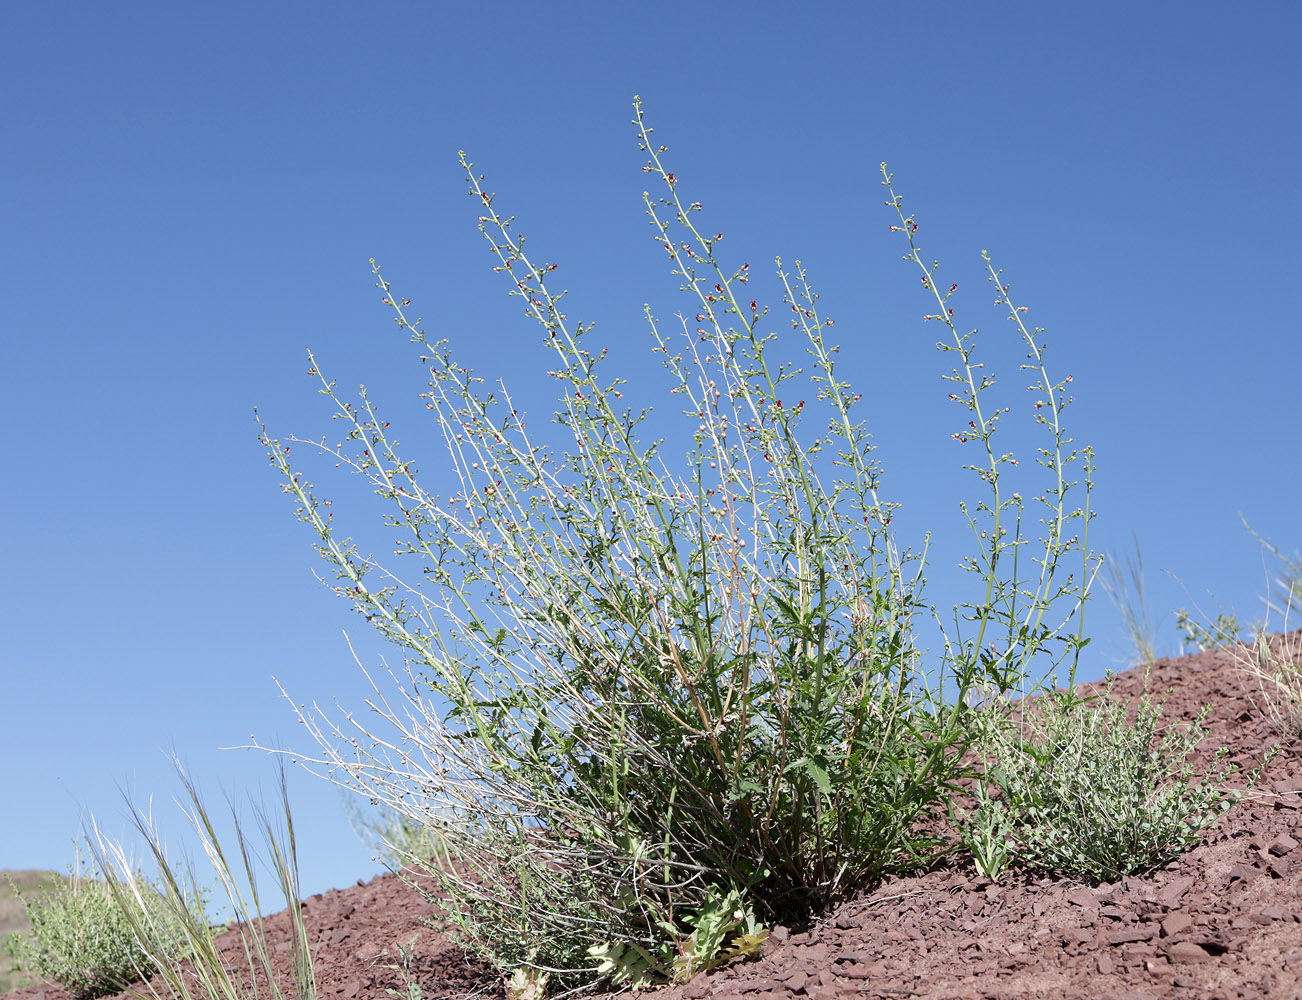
(406, 958)
(1086, 793)
(633, 692)
(1223, 630)
(723, 929)
(14, 922)
(80, 938)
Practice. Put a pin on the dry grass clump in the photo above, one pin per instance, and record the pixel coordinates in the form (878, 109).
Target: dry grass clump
(1275, 663)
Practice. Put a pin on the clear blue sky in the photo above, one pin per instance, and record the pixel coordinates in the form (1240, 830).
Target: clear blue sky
(190, 195)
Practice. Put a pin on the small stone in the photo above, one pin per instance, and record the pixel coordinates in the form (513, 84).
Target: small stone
(1173, 890)
(795, 981)
(1282, 845)
(1157, 966)
(697, 988)
(1105, 964)
(854, 970)
(1141, 932)
(1185, 952)
(1083, 898)
(1176, 923)
(1244, 872)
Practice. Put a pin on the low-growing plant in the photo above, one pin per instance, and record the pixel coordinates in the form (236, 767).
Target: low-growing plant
(631, 692)
(404, 967)
(1084, 792)
(190, 964)
(723, 929)
(80, 939)
(1219, 632)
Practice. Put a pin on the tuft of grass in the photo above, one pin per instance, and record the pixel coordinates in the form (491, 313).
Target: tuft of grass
(1123, 582)
(190, 964)
(1078, 789)
(1284, 592)
(1276, 665)
(642, 698)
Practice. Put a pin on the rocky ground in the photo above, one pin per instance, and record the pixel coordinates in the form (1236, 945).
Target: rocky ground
(1222, 921)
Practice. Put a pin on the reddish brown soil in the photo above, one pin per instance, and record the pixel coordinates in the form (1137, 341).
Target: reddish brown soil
(1223, 921)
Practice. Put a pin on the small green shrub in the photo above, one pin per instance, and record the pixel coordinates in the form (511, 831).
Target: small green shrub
(1085, 793)
(1221, 631)
(81, 939)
